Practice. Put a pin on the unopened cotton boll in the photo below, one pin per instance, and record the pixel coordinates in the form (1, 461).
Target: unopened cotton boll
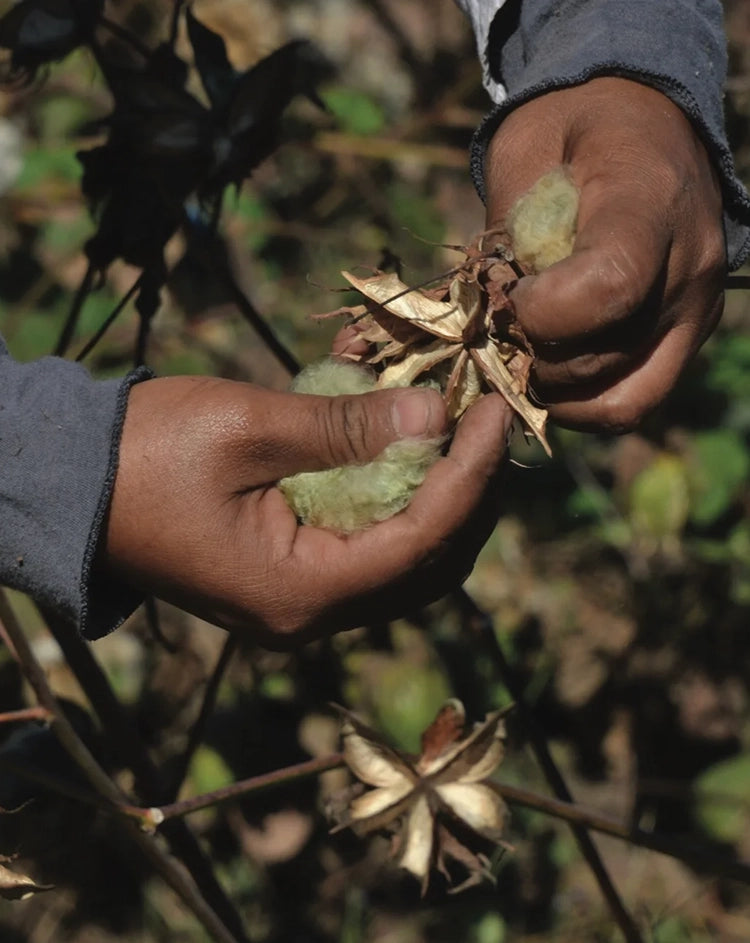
(352, 497)
(542, 222)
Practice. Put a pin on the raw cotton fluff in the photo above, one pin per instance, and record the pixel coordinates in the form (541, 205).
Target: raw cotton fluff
(352, 497)
(542, 222)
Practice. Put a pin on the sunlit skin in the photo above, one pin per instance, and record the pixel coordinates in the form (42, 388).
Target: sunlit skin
(196, 518)
(614, 324)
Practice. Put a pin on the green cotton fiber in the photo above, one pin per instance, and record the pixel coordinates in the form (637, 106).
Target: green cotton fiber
(542, 222)
(352, 497)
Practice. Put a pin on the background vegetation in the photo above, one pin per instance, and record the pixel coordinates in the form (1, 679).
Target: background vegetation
(617, 582)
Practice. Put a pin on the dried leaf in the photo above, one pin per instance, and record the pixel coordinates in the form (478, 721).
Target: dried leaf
(426, 799)
(462, 335)
(15, 886)
(441, 318)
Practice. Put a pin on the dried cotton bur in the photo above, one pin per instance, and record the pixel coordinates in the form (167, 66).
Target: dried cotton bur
(461, 336)
(438, 806)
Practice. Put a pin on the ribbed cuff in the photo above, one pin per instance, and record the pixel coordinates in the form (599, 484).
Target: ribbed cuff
(105, 601)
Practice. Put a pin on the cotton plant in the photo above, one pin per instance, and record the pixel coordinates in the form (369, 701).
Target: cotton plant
(461, 336)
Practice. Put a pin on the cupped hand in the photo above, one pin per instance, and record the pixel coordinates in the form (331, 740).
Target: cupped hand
(614, 324)
(196, 519)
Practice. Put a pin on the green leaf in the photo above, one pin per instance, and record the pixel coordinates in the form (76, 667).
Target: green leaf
(718, 467)
(659, 499)
(354, 111)
(406, 700)
(490, 929)
(729, 370)
(43, 163)
(208, 771)
(588, 503)
(721, 803)
(415, 212)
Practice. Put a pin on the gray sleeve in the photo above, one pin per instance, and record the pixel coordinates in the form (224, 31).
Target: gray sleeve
(59, 439)
(529, 47)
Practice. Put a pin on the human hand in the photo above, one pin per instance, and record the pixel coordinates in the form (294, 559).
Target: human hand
(613, 325)
(196, 519)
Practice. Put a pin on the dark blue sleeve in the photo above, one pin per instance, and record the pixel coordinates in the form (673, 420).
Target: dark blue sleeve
(529, 47)
(59, 439)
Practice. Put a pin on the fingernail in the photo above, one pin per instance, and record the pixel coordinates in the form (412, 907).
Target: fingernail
(414, 414)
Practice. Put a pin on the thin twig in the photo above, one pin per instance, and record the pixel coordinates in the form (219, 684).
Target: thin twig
(696, 855)
(211, 245)
(66, 335)
(285, 357)
(481, 626)
(173, 873)
(207, 707)
(25, 714)
(110, 319)
(242, 787)
(148, 783)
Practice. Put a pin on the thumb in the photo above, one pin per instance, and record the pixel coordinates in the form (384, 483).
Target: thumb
(353, 430)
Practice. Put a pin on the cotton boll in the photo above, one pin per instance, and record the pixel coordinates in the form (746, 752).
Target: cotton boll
(542, 222)
(352, 497)
(331, 377)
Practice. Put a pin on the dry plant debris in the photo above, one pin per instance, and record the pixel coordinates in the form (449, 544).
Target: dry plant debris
(463, 333)
(15, 886)
(438, 806)
(461, 336)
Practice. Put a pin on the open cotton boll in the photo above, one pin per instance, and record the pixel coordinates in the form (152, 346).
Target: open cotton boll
(542, 222)
(349, 498)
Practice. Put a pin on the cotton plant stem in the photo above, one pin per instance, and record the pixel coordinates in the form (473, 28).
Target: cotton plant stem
(223, 270)
(209, 702)
(148, 782)
(66, 335)
(696, 855)
(25, 714)
(340, 143)
(481, 626)
(109, 320)
(172, 872)
(242, 787)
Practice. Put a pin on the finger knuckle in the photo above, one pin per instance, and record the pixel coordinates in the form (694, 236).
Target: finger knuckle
(342, 429)
(621, 285)
(624, 415)
(583, 368)
(711, 258)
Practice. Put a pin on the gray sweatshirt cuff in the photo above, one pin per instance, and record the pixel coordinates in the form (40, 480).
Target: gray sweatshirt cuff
(59, 442)
(675, 46)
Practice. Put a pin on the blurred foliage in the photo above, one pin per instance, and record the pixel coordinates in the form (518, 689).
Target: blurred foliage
(618, 579)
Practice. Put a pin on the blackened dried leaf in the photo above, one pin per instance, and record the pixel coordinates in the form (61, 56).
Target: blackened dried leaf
(252, 121)
(216, 72)
(42, 31)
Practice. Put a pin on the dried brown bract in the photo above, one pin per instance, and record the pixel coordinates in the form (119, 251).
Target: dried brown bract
(15, 886)
(462, 334)
(437, 805)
